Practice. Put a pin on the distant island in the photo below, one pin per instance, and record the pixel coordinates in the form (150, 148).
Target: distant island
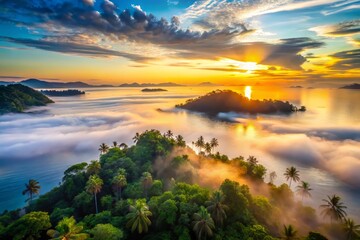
(230, 101)
(351, 86)
(297, 86)
(36, 83)
(16, 98)
(135, 84)
(62, 93)
(153, 90)
(204, 84)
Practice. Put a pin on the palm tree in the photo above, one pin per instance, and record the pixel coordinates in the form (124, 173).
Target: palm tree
(180, 141)
(115, 144)
(207, 148)
(119, 182)
(333, 208)
(32, 188)
(289, 232)
(123, 146)
(169, 134)
(203, 224)
(67, 229)
(103, 148)
(200, 143)
(293, 174)
(304, 189)
(214, 143)
(351, 229)
(93, 186)
(136, 137)
(146, 180)
(138, 217)
(273, 176)
(93, 167)
(217, 208)
(252, 160)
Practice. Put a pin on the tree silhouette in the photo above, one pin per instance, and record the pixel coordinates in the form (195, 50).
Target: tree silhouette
(333, 208)
(289, 232)
(351, 229)
(207, 148)
(93, 186)
(200, 143)
(115, 144)
(136, 137)
(273, 176)
(138, 217)
(103, 148)
(203, 224)
(292, 174)
(304, 189)
(169, 134)
(214, 143)
(180, 141)
(32, 188)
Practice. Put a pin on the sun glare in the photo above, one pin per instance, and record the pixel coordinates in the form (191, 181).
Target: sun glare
(247, 92)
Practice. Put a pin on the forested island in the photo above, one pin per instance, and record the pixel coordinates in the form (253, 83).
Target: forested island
(16, 98)
(160, 188)
(230, 101)
(153, 90)
(351, 86)
(62, 93)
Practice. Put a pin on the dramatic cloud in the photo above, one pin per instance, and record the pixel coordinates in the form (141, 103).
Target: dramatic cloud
(347, 60)
(67, 23)
(338, 30)
(74, 48)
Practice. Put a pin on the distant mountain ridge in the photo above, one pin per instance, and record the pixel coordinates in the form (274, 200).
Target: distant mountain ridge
(36, 83)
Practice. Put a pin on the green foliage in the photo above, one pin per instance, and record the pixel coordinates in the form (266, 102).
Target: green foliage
(60, 213)
(67, 229)
(29, 226)
(138, 217)
(17, 98)
(106, 231)
(168, 212)
(315, 236)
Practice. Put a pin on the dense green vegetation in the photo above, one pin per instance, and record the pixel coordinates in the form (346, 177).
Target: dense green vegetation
(62, 93)
(230, 101)
(17, 98)
(150, 191)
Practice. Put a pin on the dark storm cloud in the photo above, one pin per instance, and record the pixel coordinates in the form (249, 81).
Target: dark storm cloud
(73, 48)
(137, 26)
(347, 60)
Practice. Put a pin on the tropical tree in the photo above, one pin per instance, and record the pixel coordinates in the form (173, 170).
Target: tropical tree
(115, 144)
(67, 229)
(273, 176)
(93, 186)
(136, 137)
(31, 188)
(138, 217)
(217, 208)
(123, 146)
(106, 231)
(180, 141)
(289, 232)
(351, 229)
(207, 148)
(333, 208)
(119, 182)
(203, 224)
(104, 148)
(200, 143)
(214, 143)
(93, 167)
(169, 134)
(304, 189)
(292, 174)
(146, 181)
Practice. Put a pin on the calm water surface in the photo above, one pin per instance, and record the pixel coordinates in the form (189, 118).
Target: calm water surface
(323, 143)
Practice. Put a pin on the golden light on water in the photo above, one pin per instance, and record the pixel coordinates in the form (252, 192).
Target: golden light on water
(247, 92)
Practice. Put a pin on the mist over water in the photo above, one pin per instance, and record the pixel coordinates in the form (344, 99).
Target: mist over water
(323, 142)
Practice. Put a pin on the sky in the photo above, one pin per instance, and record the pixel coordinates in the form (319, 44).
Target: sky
(230, 42)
